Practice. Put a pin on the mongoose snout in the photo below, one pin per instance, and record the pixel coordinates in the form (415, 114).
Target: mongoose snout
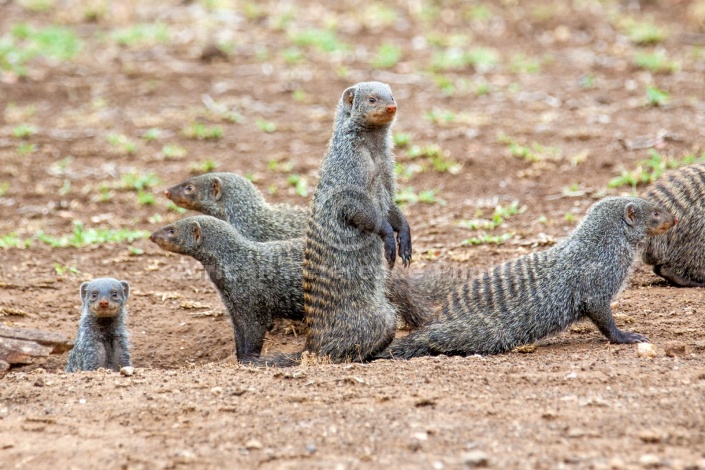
(660, 222)
(167, 194)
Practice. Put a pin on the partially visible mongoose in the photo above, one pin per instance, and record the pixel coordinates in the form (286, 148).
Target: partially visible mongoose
(351, 231)
(235, 199)
(232, 198)
(257, 281)
(102, 339)
(540, 294)
(679, 255)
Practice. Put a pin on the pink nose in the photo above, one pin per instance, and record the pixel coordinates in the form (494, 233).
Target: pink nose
(391, 108)
(103, 303)
(167, 194)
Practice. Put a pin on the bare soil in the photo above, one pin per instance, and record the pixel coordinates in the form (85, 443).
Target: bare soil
(565, 79)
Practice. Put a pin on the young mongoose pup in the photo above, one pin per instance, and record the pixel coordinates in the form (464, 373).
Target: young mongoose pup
(236, 200)
(679, 255)
(540, 294)
(257, 281)
(351, 231)
(102, 339)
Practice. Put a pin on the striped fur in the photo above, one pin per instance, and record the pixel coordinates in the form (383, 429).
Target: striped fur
(254, 279)
(237, 201)
(345, 276)
(679, 254)
(540, 294)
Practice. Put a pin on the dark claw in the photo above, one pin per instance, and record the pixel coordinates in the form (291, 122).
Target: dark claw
(390, 250)
(404, 239)
(628, 337)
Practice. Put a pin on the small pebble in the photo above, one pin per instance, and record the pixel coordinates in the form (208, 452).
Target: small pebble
(253, 444)
(650, 461)
(475, 458)
(127, 371)
(645, 350)
(675, 349)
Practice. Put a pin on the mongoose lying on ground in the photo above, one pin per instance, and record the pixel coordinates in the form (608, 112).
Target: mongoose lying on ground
(102, 339)
(235, 199)
(537, 295)
(351, 231)
(257, 281)
(679, 254)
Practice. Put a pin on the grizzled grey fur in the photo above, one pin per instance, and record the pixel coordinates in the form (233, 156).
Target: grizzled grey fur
(235, 199)
(257, 281)
(102, 339)
(241, 204)
(351, 231)
(540, 294)
(679, 254)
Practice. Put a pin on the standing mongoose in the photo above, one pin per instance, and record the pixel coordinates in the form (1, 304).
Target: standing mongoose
(102, 339)
(257, 281)
(540, 294)
(351, 231)
(679, 255)
(235, 199)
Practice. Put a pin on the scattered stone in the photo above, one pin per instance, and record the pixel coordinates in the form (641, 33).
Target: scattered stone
(616, 463)
(650, 461)
(475, 458)
(420, 436)
(526, 348)
(127, 371)
(650, 436)
(311, 449)
(645, 350)
(576, 433)
(253, 444)
(675, 349)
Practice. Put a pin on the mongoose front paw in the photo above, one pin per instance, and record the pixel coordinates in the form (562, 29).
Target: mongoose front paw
(404, 240)
(390, 250)
(628, 337)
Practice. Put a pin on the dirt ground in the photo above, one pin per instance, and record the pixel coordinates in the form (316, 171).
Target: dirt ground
(538, 102)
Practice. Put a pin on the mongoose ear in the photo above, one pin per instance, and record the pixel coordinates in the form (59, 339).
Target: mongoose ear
(349, 97)
(630, 214)
(197, 233)
(84, 288)
(125, 289)
(217, 186)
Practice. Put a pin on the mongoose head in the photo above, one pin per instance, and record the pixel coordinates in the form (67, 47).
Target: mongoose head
(369, 103)
(642, 218)
(209, 193)
(183, 236)
(105, 297)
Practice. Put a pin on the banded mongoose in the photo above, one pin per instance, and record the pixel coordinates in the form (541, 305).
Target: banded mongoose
(102, 339)
(540, 294)
(351, 231)
(679, 255)
(257, 281)
(235, 199)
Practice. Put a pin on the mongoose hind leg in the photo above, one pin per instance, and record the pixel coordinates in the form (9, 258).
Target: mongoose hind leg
(666, 272)
(602, 318)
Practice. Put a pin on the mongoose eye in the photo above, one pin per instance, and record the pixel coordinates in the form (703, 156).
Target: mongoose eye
(94, 295)
(171, 231)
(372, 99)
(655, 214)
(189, 188)
(114, 295)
